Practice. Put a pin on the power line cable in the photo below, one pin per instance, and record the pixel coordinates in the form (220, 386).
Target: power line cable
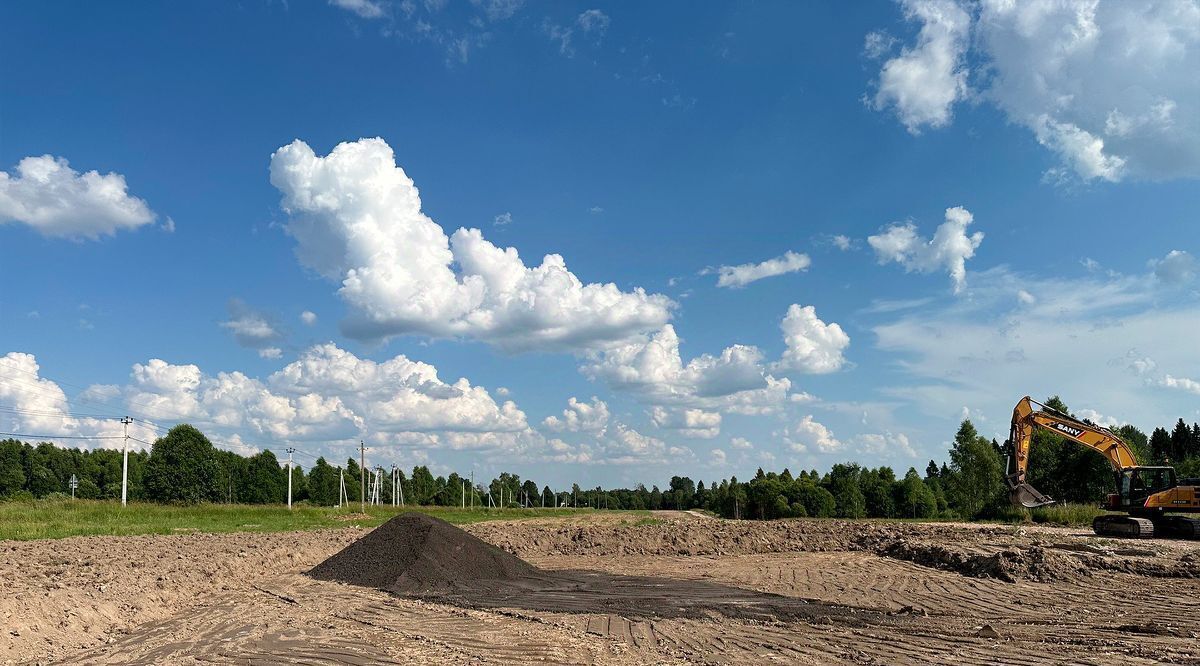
(48, 437)
(53, 413)
(59, 393)
(5, 409)
(59, 384)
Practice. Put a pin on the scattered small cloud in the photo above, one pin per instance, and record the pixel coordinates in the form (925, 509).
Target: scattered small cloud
(308, 317)
(679, 101)
(1178, 267)
(368, 9)
(251, 329)
(595, 210)
(948, 249)
(1180, 384)
(46, 194)
(809, 435)
(886, 444)
(743, 274)
(580, 416)
(877, 44)
(502, 220)
(499, 10)
(689, 422)
(593, 21)
(1135, 362)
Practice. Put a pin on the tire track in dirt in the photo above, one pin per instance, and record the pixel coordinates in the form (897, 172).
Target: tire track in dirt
(240, 597)
(331, 623)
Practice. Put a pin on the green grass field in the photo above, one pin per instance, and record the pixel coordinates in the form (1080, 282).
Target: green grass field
(59, 518)
(1063, 515)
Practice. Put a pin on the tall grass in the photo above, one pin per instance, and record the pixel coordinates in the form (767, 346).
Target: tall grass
(1066, 514)
(58, 518)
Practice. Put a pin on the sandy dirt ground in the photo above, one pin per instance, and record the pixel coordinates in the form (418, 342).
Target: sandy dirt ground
(872, 593)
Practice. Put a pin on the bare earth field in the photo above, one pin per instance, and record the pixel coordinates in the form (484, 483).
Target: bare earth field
(803, 591)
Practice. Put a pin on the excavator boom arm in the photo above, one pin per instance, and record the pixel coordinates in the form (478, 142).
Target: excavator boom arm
(1026, 419)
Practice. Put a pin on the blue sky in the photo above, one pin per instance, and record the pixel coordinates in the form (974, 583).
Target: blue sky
(647, 146)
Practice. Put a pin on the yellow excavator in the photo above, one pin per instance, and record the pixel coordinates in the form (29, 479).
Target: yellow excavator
(1145, 494)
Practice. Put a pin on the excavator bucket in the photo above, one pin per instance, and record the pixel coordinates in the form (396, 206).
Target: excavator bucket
(1028, 496)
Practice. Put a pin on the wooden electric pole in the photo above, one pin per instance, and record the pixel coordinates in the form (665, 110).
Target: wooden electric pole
(362, 474)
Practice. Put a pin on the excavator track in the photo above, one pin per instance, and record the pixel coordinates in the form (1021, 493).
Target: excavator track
(1178, 527)
(1123, 526)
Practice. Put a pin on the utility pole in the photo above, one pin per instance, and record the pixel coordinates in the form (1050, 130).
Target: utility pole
(464, 495)
(472, 488)
(125, 421)
(362, 474)
(290, 451)
(343, 499)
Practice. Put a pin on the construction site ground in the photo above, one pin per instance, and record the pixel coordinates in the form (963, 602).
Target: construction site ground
(857, 592)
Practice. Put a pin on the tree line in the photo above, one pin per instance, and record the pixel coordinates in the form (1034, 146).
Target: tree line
(184, 467)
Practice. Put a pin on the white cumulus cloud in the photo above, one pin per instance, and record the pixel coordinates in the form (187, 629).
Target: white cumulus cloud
(689, 422)
(809, 435)
(357, 220)
(743, 274)
(886, 445)
(812, 345)
(580, 416)
(948, 250)
(54, 199)
(923, 82)
(652, 369)
(1110, 88)
(1177, 267)
(1180, 383)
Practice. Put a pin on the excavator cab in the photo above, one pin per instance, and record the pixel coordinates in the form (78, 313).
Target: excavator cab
(1138, 483)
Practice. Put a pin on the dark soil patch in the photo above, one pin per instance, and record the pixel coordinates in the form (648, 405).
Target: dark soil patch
(418, 556)
(1009, 564)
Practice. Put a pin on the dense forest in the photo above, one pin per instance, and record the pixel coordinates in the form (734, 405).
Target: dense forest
(184, 466)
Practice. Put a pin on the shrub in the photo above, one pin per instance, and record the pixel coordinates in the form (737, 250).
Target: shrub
(20, 496)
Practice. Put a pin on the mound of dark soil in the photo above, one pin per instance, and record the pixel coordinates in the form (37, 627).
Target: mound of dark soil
(417, 554)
